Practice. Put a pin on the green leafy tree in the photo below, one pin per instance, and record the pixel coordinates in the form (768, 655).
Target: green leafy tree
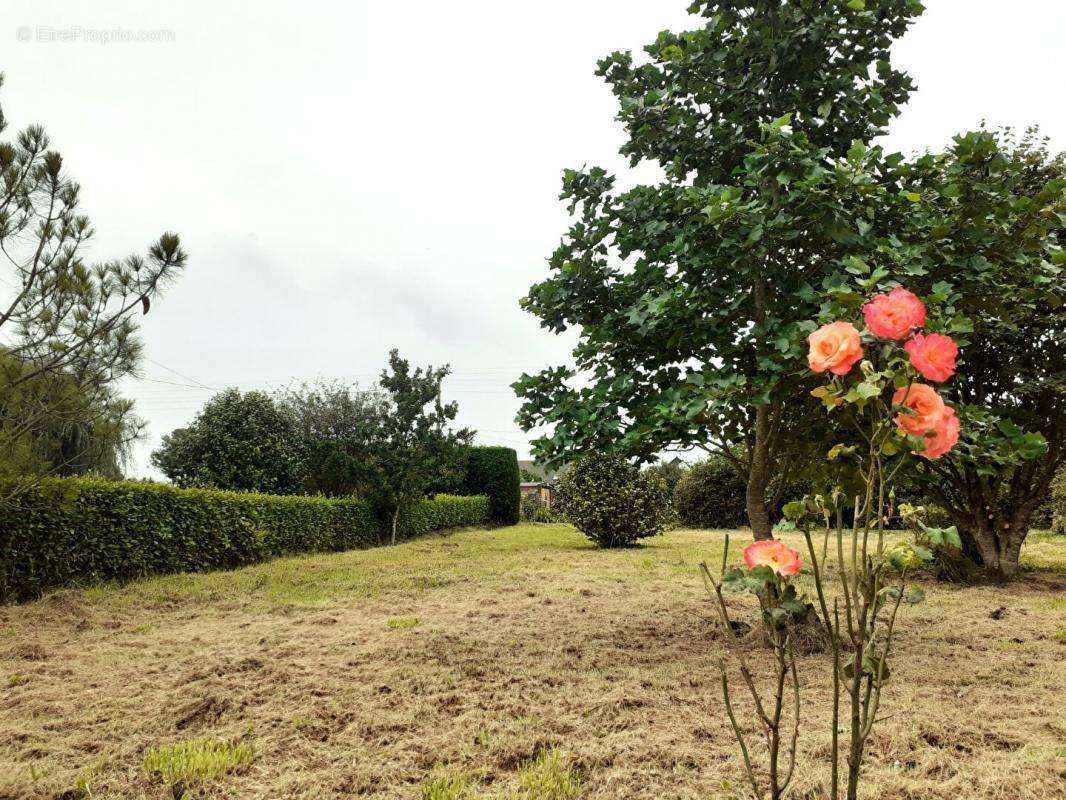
(986, 238)
(238, 442)
(337, 426)
(51, 425)
(413, 450)
(692, 295)
(64, 323)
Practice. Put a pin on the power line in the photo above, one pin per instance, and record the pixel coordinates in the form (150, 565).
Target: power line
(180, 374)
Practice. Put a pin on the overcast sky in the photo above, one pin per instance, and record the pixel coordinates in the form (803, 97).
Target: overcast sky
(352, 177)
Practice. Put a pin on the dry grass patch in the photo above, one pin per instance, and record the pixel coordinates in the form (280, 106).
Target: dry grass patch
(530, 648)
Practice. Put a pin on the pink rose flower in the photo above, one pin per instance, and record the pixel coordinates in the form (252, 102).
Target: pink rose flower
(944, 435)
(774, 554)
(834, 347)
(894, 315)
(933, 355)
(927, 405)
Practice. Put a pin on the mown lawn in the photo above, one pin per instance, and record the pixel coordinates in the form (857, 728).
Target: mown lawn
(516, 663)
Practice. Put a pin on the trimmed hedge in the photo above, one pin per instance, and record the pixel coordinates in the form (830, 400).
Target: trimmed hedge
(77, 530)
(444, 511)
(493, 471)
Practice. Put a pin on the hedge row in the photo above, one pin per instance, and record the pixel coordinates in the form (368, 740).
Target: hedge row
(493, 471)
(77, 531)
(444, 511)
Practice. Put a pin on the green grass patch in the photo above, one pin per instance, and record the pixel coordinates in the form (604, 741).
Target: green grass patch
(193, 761)
(402, 622)
(474, 557)
(446, 784)
(547, 778)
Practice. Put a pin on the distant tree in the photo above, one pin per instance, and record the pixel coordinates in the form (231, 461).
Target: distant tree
(1057, 504)
(240, 442)
(711, 495)
(670, 471)
(528, 477)
(338, 427)
(64, 323)
(692, 294)
(413, 450)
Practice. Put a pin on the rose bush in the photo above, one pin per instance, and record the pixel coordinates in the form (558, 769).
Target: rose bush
(887, 416)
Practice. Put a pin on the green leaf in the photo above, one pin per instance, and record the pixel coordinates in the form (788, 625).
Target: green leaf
(867, 390)
(857, 151)
(784, 526)
(781, 122)
(871, 665)
(923, 553)
(671, 53)
(838, 450)
(856, 266)
(857, 5)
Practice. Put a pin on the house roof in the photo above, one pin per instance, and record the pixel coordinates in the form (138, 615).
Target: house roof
(533, 468)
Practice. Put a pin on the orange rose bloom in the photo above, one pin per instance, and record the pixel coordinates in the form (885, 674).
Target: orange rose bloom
(834, 347)
(927, 405)
(945, 435)
(774, 554)
(894, 315)
(933, 355)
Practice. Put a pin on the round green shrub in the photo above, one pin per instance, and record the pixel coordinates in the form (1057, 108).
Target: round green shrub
(711, 495)
(612, 502)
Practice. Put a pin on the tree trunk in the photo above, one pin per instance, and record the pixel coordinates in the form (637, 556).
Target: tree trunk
(996, 544)
(993, 518)
(759, 476)
(759, 470)
(395, 523)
